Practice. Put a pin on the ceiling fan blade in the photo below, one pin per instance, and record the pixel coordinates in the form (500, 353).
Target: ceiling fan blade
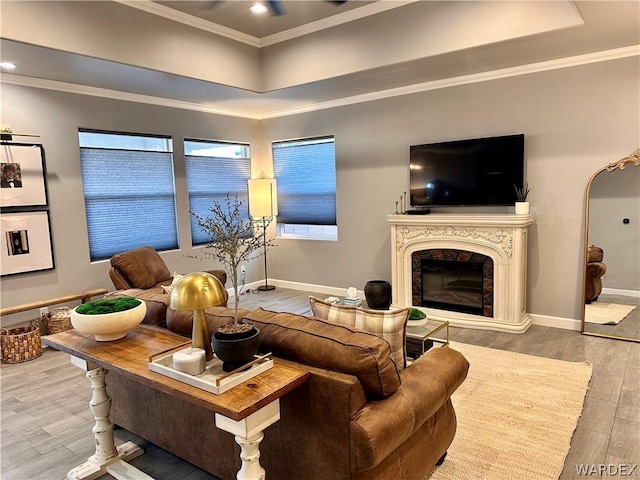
(275, 7)
(211, 4)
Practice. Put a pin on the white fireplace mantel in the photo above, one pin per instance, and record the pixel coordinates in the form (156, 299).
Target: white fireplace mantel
(502, 237)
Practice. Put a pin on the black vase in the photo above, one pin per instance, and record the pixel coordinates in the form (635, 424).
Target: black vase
(378, 294)
(235, 349)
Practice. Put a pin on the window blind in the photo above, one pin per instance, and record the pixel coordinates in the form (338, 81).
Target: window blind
(306, 175)
(209, 179)
(129, 200)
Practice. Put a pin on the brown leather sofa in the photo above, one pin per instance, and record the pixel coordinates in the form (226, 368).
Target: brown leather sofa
(357, 417)
(595, 270)
(141, 273)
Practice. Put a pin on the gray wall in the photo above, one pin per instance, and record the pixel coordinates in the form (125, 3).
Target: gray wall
(56, 117)
(613, 197)
(575, 120)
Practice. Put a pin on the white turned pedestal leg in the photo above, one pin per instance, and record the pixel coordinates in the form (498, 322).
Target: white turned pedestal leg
(248, 433)
(108, 458)
(250, 456)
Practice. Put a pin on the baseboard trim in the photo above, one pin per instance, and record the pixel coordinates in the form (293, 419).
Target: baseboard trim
(311, 287)
(556, 322)
(619, 291)
(542, 320)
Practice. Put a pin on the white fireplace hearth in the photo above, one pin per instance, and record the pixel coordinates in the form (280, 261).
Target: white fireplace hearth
(501, 237)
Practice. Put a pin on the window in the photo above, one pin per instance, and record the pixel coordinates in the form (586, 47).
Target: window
(213, 170)
(128, 192)
(306, 174)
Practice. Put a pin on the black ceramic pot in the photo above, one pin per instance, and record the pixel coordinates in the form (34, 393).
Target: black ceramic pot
(378, 294)
(235, 349)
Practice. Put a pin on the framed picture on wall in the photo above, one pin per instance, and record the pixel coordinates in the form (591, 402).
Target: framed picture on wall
(23, 182)
(25, 243)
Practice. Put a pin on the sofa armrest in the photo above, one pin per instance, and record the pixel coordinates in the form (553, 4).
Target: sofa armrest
(596, 270)
(381, 426)
(119, 281)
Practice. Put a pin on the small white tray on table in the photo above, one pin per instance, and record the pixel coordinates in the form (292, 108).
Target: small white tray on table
(213, 379)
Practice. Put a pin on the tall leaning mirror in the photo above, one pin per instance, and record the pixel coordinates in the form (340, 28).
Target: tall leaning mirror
(611, 293)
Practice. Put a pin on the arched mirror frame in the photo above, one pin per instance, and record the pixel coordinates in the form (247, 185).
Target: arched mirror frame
(633, 159)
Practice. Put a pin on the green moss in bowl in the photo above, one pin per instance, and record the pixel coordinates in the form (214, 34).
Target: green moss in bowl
(416, 314)
(108, 305)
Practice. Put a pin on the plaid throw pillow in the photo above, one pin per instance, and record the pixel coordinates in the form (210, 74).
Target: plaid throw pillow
(387, 324)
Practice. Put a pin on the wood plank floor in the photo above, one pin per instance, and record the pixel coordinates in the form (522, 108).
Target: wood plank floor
(45, 422)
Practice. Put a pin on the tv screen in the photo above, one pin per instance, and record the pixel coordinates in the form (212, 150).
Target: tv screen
(480, 171)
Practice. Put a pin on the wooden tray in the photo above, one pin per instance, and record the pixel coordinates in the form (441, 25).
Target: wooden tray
(213, 379)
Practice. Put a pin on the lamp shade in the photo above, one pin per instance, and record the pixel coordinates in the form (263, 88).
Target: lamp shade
(263, 197)
(197, 291)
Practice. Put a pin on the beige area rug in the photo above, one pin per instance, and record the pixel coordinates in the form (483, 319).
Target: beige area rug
(516, 416)
(604, 313)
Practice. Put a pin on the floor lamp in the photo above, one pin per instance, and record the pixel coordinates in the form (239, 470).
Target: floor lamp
(263, 202)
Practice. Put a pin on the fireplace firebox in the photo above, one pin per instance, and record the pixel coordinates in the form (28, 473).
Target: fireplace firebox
(453, 280)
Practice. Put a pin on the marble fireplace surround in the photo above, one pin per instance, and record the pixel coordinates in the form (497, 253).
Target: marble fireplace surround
(502, 237)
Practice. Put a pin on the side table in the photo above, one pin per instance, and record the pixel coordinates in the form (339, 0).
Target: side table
(420, 338)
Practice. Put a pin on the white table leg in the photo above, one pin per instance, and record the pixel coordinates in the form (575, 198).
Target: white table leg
(108, 458)
(248, 434)
(250, 456)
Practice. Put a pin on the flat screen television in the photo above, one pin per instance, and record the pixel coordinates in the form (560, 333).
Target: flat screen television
(480, 171)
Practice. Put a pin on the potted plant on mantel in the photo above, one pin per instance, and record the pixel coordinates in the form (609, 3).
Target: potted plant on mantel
(233, 238)
(522, 206)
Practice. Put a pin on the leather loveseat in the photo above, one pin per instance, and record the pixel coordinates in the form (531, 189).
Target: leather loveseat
(357, 417)
(141, 273)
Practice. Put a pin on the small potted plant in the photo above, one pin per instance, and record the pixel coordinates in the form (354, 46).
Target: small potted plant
(109, 318)
(233, 238)
(522, 206)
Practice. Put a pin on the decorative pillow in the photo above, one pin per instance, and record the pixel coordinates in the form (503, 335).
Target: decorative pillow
(340, 314)
(387, 324)
(169, 288)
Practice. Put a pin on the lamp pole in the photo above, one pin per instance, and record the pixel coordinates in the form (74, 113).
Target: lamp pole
(266, 285)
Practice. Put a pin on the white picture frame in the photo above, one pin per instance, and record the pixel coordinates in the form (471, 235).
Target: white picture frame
(28, 187)
(25, 243)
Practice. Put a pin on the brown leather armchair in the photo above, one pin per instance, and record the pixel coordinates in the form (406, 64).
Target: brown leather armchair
(143, 268)
(595, 270)
(141, 273)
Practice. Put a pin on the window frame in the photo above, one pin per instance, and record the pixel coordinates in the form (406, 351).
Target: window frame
(97, 202)
(196, 233)
(308, 231)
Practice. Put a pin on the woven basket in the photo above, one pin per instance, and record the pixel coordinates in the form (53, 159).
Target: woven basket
(57, 321)
(21, 344)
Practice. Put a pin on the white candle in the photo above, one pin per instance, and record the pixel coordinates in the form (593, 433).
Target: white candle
(189, 361)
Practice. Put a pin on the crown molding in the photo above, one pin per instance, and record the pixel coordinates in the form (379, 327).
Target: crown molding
(567, 62)
(186, 19)
(118, 95)
(333, 21)
(549, 65)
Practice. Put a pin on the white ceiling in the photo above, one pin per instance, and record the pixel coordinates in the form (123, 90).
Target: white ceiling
(457, 45)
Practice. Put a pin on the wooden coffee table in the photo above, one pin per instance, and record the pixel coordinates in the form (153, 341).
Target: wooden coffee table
(245, 410)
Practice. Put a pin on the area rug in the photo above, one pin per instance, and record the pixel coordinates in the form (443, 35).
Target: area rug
(604, 313)
(516, 416)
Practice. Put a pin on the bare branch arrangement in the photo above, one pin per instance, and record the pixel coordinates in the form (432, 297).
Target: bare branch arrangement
(234, 237)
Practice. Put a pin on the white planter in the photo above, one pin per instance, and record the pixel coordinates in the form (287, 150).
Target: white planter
(108, 326)
(522, 208)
